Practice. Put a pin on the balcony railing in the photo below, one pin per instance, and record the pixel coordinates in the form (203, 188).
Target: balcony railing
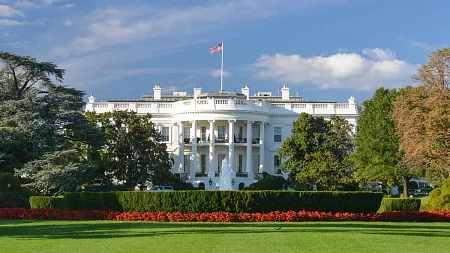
(224, 104)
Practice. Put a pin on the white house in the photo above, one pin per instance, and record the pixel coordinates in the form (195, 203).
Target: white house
(202, 129)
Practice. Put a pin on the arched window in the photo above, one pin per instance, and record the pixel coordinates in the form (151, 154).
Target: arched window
(201, 186)
(241, 186)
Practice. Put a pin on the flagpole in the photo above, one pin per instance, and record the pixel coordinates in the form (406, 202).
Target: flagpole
(221, 71)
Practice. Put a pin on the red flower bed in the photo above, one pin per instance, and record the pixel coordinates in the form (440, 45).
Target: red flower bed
(276, 216)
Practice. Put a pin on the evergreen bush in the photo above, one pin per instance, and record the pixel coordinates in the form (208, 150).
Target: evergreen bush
(221, 201)
(398, 204)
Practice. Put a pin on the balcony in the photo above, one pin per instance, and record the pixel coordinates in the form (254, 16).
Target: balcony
(214, 105)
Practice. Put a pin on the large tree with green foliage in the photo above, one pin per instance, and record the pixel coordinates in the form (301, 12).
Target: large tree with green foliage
(38, 117)
(377, 154)
(133, 151)
(317, 153)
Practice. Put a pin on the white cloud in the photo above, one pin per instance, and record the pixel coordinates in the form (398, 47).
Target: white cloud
(216, 73)
(421, 45)
(6, 11)
(49, 2)
(380, 54)
(67, 6)
(68, 23)
(341, 70)
(9, 22)
(24, 4)
(113, 26)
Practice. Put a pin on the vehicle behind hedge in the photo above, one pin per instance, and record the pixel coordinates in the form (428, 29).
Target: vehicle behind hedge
(216, 201)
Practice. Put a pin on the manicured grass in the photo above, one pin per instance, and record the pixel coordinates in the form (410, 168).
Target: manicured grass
(108, 236)
(424, 200)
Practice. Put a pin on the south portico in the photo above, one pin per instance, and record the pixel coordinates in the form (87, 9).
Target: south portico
(205, 141)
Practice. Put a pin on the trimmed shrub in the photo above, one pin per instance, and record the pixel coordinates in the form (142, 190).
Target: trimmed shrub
(222, 201)
(268, 182)
(397, 204)
(440, 197)
(13, 200)
(48, 202)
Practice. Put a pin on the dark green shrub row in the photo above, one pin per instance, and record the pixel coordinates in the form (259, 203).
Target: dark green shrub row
(397, 204)
(47, 202)
(226, 201)
(13, 200)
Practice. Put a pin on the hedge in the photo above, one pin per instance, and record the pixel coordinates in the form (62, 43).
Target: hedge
(396, 204)
(218, 201)
(47, 202)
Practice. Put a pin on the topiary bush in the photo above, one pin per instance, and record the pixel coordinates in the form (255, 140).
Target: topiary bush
(268, 182)
(440, 197)
(222, 201)
(397, 204)
(48, 202)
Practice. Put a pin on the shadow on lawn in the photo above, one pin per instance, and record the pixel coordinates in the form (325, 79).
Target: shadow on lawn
(99, 230)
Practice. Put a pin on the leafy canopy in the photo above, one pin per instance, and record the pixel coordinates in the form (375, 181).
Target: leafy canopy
(317, 153)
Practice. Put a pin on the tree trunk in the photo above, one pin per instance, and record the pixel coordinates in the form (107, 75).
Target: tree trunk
(405, 186)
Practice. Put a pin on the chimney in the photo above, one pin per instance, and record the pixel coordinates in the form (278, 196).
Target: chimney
(285, 92)
(246, 91)
(91, 99)
(197, 92)
(351, 100)
(157, 92)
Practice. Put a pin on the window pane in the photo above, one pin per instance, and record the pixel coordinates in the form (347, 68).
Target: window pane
(187, 163)
(255, 163)
(220, 157)
(187, 132)
(221, 132)
(240, 157)
(277, 134)
(165, 133)
(203, 163)
(277, 130)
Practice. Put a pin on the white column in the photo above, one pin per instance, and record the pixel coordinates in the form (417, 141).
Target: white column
(211, 172)
(231, 145)
(249, 161)
(261, 147)
(181, 146)
(194, 165)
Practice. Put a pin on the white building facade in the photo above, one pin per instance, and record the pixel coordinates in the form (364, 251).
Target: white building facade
(202, 129)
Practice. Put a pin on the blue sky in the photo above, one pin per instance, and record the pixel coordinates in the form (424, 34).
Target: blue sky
(324, 49)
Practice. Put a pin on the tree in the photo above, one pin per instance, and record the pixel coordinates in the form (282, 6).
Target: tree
(20, 74)
(422, 114)
(133, 151)
(40, 120)
(317, 153)
(58, 171)
(377, 152)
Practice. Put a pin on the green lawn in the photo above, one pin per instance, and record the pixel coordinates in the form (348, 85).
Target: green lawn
(107, 236)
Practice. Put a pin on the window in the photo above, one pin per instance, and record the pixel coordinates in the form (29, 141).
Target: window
(221, 133)
(240, 158)
(255, 132)
(203, 133)
(276, 161)
(165, 134)
(220, 158)
(187, 133)
(240, 133)
(277, 134)
(276, 164)
(203, 163)
(187, 163)
(255, 163)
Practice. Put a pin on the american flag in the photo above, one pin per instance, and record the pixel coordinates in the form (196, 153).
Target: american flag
(216, 49)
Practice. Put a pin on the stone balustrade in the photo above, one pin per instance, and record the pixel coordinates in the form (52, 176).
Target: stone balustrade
(206, 105)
